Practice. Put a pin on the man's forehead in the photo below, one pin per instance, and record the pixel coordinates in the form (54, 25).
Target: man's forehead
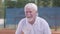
(29, 9)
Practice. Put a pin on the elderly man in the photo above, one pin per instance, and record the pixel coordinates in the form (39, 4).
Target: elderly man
(32, 24)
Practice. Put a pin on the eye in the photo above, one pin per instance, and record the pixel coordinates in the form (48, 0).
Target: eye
(28, 11)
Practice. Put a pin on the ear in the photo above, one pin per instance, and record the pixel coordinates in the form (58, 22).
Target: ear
(36, 13)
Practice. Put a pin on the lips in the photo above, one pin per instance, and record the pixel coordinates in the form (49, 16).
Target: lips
(29, 16)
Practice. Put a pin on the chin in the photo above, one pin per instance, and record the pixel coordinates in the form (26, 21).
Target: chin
(30, 19)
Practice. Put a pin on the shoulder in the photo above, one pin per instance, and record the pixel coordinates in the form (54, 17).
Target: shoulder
(22, 21)
(42, 21)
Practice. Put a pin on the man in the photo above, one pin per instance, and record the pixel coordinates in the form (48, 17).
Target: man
(32, 24)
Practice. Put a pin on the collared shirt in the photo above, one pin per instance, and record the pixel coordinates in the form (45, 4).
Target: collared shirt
(39, 27)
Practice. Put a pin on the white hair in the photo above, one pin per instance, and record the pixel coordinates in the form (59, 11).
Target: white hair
(32, 6)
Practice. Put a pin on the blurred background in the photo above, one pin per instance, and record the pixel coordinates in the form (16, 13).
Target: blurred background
(12, 11)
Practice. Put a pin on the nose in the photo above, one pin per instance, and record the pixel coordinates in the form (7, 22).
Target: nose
(28, 13)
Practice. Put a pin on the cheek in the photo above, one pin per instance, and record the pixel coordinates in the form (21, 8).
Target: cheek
(34, 14)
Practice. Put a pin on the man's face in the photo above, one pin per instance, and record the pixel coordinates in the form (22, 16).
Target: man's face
(30, 14)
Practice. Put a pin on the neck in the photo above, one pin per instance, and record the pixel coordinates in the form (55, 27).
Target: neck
(33, 21)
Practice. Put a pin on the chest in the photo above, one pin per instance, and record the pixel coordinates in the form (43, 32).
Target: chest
(35, 29)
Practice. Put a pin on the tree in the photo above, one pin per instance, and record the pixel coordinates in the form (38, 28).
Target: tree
(10, 4)
(56, 3)
(18, 4)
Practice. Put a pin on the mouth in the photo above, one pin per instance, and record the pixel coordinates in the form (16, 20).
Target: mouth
(29, 17)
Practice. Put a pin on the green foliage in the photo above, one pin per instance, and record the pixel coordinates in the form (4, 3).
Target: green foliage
(10, 4)
(56, 3)
(21, 3)
(18, 4)
(1, 14)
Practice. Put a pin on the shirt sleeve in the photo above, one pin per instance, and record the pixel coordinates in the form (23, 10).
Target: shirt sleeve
(19, 28)
(46, 28)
